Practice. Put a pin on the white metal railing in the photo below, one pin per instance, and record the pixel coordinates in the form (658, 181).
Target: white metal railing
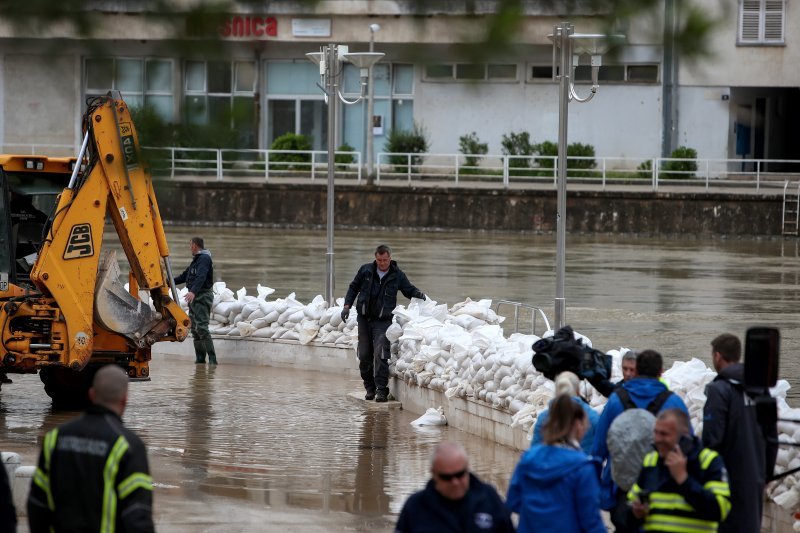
(478, 170)
(232, 164)
(518, 306)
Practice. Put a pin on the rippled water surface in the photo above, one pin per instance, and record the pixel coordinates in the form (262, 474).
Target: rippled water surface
(285, 440)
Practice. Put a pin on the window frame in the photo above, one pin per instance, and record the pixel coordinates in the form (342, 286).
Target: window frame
(206, 93)
(761, 11)
(141, 94)
(625, 81)
(454, 70)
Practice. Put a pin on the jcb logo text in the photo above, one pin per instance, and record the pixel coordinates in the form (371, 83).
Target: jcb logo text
(80, 242)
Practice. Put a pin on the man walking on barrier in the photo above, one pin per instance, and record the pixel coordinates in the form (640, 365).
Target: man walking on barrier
(376, 285)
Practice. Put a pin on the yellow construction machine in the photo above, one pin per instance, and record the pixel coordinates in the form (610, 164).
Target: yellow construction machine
(63, 310)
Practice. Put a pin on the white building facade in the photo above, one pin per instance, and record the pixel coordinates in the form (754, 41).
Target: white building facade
(254, 82)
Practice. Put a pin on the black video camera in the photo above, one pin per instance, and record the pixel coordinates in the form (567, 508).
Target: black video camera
(562, 352)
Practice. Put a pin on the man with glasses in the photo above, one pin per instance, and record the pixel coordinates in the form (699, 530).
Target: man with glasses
(454, 499)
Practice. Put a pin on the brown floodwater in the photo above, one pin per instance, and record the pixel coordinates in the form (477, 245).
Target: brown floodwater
(235, 445)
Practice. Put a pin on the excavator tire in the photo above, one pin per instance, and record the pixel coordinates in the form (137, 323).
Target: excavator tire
(67, 388)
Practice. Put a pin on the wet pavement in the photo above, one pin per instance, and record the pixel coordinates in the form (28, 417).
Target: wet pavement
(244, 448)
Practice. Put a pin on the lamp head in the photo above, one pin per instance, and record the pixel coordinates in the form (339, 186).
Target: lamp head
(363, 59)
(374, 27)
(594, 44)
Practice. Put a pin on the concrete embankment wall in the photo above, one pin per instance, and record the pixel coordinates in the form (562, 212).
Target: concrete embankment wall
(690, 212)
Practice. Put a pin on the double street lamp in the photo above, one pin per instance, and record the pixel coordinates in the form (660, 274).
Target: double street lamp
(568, 46)
(331, 59)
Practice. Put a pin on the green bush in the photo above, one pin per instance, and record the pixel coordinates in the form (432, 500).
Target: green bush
(645, 169)
(342, 160)
(549, 148)
(518, 144)
(413, 141)
(680, 170)
(470, 144)
(290, 141)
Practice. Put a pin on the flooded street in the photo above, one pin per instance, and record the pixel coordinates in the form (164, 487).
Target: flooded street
(252, 448)
(226, 444)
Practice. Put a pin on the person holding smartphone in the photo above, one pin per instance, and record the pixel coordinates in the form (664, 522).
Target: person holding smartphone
(682, 486)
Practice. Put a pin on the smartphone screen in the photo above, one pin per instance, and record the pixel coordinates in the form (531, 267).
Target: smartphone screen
(761, 357)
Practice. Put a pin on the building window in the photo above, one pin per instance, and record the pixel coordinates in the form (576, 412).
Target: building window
(761, 21)
(221, 94)
(614, 74)
(141, 81)
(471, 72)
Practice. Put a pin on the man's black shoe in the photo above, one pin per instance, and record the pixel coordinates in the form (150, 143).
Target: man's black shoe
(381, 397)
(370, 395)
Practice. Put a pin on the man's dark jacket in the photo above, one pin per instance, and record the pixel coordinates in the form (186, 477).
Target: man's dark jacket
(480, 510)
(377, 297)
(730, 427)
(92, 473)
(199, 275)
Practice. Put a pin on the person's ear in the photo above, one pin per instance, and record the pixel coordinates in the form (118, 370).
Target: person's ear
(92, 394)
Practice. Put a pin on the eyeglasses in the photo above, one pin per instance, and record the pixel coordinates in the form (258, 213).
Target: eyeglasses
(449, 477)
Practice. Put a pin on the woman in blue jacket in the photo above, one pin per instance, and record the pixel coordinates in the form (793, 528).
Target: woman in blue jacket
(555, 486)
(568, 383)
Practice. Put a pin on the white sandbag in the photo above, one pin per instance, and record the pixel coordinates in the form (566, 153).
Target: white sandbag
(394, 332)
(264, 333)
(307, 330)
(291, 335)
(245, 328)
(432, 417)
(263, 292)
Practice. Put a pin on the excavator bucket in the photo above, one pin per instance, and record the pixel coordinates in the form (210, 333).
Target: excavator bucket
(115, 308)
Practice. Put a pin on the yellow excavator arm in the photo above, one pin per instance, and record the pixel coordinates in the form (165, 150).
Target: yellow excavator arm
(77, 312)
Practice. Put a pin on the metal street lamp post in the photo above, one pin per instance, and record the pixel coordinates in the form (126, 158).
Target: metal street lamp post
(571, 46)
(370, 106)
(330, 59)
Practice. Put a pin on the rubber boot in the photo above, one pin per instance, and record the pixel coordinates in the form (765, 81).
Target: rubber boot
(199, 352)
(212, 355)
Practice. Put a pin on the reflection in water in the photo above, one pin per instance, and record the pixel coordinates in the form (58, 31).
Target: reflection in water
(370, 493)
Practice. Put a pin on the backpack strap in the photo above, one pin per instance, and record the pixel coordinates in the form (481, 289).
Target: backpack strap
(625, 398)
(659, 401)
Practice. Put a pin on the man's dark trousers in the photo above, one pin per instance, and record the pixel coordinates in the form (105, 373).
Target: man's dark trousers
(373, 354)
(200, 313)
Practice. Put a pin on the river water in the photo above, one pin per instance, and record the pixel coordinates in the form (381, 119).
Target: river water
(671, 295)
(242, 448)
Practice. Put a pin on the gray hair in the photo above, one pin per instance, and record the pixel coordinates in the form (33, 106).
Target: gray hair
(448, 449)
(630, 355)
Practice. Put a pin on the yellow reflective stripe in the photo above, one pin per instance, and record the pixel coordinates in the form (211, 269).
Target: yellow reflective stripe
(651, 459)
(42, 480)
(48, 447)
(706, 456)
(133, 482)
(724, 507)
(109, 512)
(633, 494)
(669, 500)
(677, 524)
(719, 488)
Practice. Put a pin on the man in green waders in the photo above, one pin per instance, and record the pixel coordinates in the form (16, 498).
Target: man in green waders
(199, 279)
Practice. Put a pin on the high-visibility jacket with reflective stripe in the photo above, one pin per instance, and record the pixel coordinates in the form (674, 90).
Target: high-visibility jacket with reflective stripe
(697, 505)
(92, 475)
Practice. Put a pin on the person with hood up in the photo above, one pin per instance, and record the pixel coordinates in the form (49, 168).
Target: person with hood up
(199, 279)
(555, 485)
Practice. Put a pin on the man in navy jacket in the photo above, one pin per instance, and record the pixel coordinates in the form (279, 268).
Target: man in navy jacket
(454, 499)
